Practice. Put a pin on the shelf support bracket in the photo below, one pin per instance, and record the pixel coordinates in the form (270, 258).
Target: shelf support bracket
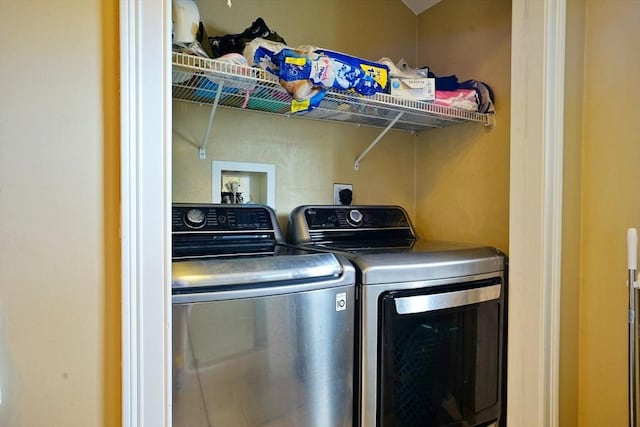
(202, 151)
(391, 124)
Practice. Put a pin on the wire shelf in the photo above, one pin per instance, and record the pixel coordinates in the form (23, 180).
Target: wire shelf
(208, 81)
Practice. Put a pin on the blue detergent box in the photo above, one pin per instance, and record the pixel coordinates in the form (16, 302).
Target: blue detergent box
(378, 72)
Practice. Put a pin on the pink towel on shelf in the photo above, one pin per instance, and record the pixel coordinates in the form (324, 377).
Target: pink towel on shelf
(464, 99)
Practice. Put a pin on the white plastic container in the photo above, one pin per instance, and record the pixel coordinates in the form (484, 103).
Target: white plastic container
(185, 17)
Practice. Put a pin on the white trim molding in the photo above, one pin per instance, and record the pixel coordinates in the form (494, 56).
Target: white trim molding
(267, 170)
(535, 230)
(145, 197)
(554, 147)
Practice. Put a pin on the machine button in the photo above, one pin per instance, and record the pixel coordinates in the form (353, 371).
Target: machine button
(194, 218)
(355, 217)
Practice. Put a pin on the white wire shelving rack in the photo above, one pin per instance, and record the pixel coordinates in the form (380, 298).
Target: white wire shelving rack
(217, 83)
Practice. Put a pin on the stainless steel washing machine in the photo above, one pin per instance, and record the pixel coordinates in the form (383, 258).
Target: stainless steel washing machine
(431, 317)
(262, 335)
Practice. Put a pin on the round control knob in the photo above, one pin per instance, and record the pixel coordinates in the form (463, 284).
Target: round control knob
(194, 218)
(355, 217)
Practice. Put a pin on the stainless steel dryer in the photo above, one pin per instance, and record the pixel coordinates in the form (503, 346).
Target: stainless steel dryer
(262, 335)
(431, 317)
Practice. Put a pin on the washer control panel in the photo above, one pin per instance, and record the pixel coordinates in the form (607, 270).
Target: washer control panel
(216, 230)
(212, 218)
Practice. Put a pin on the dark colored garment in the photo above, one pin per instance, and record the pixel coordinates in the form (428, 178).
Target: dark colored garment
(485, 95)
(203, 39)
(235, 43)
(484, 92)
(447, 83)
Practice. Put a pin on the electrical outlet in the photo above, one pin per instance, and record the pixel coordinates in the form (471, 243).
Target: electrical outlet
(337, 188)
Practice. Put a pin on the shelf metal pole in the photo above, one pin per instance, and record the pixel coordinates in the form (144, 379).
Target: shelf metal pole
(633, 372)
(356, 165)
(202, 152)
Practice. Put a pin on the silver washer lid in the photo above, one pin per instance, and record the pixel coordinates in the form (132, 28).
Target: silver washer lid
(254, 270)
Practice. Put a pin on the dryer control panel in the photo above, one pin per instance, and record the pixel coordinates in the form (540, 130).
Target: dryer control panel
(326, 223)
(356, 217)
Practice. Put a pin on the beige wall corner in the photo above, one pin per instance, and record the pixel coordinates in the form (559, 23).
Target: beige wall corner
(462, 172)
(610, 204)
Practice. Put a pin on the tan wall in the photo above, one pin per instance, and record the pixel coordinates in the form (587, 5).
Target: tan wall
(462, 174)
(571, 219)
(369, 29)
(309, 156)
(59, 204)
(610, 204)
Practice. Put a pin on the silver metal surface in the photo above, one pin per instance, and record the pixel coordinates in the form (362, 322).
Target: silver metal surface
(240, 271)
(388, 257)
(427, 260)
(206, 280)
(431, 302)
(369, 324)
(283, 360)
(420, 260)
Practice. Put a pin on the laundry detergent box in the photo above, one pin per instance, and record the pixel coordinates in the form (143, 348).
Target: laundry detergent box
(366, 77)
(423, 89)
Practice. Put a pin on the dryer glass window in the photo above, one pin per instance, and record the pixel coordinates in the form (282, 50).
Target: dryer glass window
(439, 368)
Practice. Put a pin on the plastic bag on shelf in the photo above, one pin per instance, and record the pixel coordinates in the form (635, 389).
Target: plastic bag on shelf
(191, 48)
(307, 72)
(402, 70)
(268, 55)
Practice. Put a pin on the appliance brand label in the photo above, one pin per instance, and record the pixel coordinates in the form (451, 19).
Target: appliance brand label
(341, 301)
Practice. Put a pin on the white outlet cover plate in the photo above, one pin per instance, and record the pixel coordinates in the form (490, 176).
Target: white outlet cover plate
(336, 191)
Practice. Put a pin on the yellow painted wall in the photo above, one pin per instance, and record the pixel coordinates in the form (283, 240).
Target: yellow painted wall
(571, 218)
(59, 205)
(365, 28)
(462, 172)
(309, 156)
(610, 204)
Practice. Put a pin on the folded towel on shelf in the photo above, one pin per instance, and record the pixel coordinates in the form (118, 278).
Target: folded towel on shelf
(484, 93)
(463, 99)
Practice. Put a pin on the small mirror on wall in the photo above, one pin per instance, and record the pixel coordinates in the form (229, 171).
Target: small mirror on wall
(242, 183)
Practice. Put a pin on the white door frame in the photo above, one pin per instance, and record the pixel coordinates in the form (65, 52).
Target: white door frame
(145, 203)
(535, 211)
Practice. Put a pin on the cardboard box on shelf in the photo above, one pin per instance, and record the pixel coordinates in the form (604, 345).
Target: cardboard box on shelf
(419, 89)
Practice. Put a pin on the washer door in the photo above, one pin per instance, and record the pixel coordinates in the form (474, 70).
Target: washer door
(283, 360)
